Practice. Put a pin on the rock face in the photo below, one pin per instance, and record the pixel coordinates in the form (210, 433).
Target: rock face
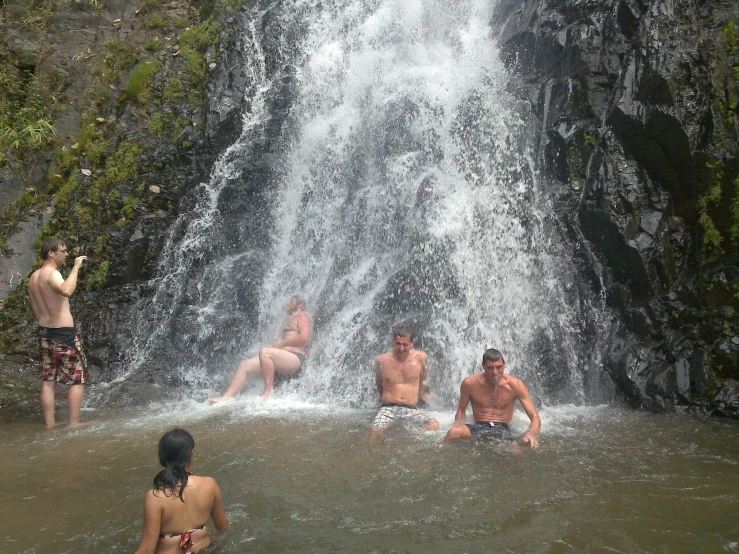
(130, 145)
(637, 105)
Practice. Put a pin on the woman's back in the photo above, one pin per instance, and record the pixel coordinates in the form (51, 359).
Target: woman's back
(177, 509)
(178, 517)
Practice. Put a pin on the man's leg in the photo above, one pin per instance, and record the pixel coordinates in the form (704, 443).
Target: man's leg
(239, 379)
(458, 431)
(47, 402)
(383, 419)
(376, 435)
(275, 360)
(74, 404)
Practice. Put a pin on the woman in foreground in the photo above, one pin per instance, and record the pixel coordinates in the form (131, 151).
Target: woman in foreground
(177, 509)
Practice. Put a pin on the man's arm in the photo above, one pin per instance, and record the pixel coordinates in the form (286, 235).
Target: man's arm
(66, 287)
(422, 378)
(378, 376)
(303, 336)
(531, 437)
(464, 400)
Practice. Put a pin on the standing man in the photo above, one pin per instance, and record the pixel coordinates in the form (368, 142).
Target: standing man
(286, 356)
(60, 346)
(493, 395)
(401, 376)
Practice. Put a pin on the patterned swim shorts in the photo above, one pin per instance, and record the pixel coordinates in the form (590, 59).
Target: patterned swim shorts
(390, 414)
(63, 358)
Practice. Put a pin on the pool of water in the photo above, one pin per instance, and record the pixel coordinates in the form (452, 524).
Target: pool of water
(304, 478)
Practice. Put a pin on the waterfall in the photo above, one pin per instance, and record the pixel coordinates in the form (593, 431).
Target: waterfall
(400, 188)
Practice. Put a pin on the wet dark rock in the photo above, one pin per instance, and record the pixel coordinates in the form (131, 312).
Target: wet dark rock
(634, 85)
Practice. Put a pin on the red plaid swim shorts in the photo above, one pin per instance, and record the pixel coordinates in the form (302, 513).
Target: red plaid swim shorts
(62, 362)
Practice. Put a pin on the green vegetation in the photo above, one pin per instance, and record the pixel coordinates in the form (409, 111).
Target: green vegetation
(179, 126)
(118, 57)
(140, 83)
(579, 152)
(25, 132)
(98, 279)
(710, 203)
(194, 43)
(712, 238)
(38, 14)
(90, 175)
(25, 126)
(123, 165)
(154, 45)
(732, 45)
(735, 213)
(128, 206)
(156, 21)
(159, 123)
(174, 91)
(575, 163)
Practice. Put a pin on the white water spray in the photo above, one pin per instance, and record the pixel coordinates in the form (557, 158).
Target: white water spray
(405, 193)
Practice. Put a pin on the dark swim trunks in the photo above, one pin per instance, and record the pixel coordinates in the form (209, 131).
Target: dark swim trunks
(489, 430)
(63, 357)
(301, 357)
(280, 378)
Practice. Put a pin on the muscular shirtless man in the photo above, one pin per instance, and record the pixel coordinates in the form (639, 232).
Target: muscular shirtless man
(401, 376)
(285, 357)
(493, 395)
(61, 349)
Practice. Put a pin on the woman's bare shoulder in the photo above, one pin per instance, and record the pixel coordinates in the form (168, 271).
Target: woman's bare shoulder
(206, 482)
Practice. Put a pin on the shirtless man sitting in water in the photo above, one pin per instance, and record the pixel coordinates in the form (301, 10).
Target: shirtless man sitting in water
(493, 395)
(286, 356)
(401, 376)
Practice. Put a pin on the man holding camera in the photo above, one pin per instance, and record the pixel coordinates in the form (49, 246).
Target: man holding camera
(60, 347)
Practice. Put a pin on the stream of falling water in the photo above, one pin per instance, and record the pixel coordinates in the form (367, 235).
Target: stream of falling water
(402, 189)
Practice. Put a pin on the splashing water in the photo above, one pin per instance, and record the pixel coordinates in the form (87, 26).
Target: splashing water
(402, 190)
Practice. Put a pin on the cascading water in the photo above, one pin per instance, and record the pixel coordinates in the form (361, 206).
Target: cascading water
(402, 189)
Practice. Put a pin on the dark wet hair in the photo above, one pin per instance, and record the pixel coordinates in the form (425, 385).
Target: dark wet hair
(50, 244)
(175, 452)
(404, 332)
(492, 355)
(299, 299)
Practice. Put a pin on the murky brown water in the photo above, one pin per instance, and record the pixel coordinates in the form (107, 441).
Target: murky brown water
(299, 478)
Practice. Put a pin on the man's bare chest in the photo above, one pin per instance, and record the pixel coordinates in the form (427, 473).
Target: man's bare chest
(402, 372)
(498, 398)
